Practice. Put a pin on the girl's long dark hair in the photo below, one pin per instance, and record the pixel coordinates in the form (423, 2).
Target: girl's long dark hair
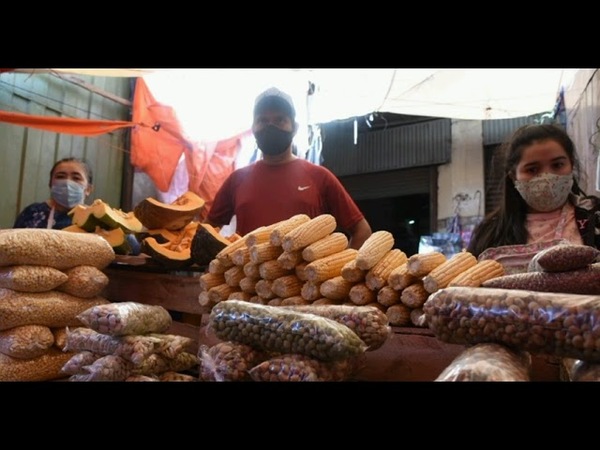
(505, 225)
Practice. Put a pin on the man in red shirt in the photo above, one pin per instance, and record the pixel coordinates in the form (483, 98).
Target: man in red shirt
(281, 185)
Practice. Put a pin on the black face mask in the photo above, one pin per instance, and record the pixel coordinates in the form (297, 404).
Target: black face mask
(272, 140)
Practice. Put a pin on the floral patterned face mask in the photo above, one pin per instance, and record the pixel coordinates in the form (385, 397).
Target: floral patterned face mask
(546, 192)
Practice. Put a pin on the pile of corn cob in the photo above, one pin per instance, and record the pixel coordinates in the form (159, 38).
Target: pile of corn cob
(302, 261)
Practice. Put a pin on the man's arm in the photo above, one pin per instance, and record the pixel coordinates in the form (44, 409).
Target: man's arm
(359, 234)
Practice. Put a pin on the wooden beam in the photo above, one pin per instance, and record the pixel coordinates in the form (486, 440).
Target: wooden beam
(92, 88)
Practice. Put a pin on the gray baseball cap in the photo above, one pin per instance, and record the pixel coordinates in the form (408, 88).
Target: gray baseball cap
(276, 99)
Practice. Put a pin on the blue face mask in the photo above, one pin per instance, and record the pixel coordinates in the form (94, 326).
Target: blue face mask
(68, 193)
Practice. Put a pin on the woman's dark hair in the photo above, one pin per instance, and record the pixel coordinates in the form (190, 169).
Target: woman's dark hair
(83, 162)
(505, 225)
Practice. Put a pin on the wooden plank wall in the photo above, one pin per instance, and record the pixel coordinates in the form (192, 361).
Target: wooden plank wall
(27, 154)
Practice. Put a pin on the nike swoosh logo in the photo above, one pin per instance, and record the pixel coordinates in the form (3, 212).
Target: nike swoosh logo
(303, 188)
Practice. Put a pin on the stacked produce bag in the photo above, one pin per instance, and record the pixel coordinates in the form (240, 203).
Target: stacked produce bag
(125, 342)
(47, 278)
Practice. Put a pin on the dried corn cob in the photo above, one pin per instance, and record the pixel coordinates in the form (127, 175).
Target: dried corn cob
(377, 276)
(330, 244)
(282, 228)
(261, 235)
(260, 253)
(287, 286)
(221, 292)
(289, 260)
(439, 277)
(300, 271)
(209, 280)
(399, 278)
(279, 329)
(224, 256)
(373, 249)
(310, 291)
(326, 301)
(415, 295)
(248, 285)
(360, 294)
(484, 270)
(302, 236)
(271, 270)
(336, 288)
(233, 275)
(353, 274)
(421, 264)
(388, 296)
(241, 256)
(398, 315)
(215, 266)
(264, 289)
(330, 266)
(294, 300)
(251, 270)
(241, 295)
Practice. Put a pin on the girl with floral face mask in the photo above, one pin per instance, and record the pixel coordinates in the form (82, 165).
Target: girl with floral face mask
(542, 200)
(70, 184)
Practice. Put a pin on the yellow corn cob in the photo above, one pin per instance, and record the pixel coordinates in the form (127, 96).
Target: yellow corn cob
(264, 252)
(220, 293)
(215, 266)
(421, 264)
(482, 271)
(270, 270)
(399, 278)
(388, 296)
(287, 286)
(264, 289)
(248, 285)
(398, 315)
(333, 243)
(353, 274)
(241, 256)
(240, 295)
(294, 300)
(258, 299)
(276, 301)
(336, 288)
(205, 301)
(233, 275)
(260, 235)
(360, 294)
(251, 270)
(284, 227)
(224, 256)
(330, 266)
(302, 236)
(439, 277)
(300, 271)
(289, 260)
(310, 291)
(209, 280)
(415, 295)
(373, 249)
(326, 301)
(378, 275)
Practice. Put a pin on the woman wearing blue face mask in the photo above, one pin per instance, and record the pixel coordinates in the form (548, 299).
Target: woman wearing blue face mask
(542, 200)
(70, 184)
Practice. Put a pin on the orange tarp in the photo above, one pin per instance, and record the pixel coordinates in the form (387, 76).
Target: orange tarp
(84, 127)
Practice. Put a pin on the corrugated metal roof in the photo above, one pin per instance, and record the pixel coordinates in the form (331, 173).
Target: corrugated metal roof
(497, 131)
(413, 145)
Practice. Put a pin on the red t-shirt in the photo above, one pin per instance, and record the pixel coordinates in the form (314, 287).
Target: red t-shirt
(261, 194)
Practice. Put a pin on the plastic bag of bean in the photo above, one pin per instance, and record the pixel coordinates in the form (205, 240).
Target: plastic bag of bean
(563, 325)
(43, 368)
(176, 376)
(26, 341)
(78, 361)
(105, 368)
(156, 364)
(133, 348)
(295, 367)
(488, 362)
(120, 319)
(29, 278)
(228, 361)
